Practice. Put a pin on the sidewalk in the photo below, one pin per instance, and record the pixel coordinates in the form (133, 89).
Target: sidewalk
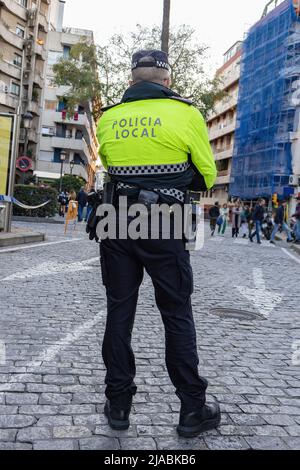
(20, 237)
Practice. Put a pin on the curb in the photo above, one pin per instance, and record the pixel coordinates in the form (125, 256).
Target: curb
(12, 239)
(37, 220)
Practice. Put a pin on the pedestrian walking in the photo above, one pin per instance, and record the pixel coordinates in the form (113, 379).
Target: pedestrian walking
(148, 143)
(236, 219)
(258, 217)
(214, 213)
(82, 201)
(224, 215)
(296, 216)
(89, 204)
(245, 219)
(63, 201)
(279, 222)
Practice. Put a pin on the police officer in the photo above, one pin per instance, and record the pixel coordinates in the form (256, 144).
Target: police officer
(154, 140)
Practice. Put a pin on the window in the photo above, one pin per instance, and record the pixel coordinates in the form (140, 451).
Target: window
(18, 60)
(15, 89)
(66, 52)
(23, 3)
(54, 57)
(50, 105)
(20, 31)
(56, 155)
(48, 131)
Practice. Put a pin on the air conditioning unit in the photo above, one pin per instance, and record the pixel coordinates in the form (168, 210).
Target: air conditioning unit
(294, 180)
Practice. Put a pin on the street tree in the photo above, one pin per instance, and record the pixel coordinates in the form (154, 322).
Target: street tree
(79, 72)
(113, 61)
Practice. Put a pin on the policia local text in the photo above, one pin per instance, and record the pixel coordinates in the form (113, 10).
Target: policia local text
(136, 127)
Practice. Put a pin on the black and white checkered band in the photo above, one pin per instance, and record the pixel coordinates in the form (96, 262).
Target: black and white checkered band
(176, 193)
(148, 170)
(158, 64)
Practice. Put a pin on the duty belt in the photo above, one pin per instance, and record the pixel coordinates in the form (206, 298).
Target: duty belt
(173, 192)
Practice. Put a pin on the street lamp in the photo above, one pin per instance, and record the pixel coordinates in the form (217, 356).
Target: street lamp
(27, 123)
(72, 164)
(63, 156)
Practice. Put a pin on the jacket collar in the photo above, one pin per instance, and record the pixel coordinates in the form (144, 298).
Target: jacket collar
(147, 91)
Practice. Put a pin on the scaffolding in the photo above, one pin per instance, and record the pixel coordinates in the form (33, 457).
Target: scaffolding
(268, 112)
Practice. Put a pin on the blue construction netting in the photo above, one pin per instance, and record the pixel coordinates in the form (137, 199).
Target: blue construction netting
(270, 73)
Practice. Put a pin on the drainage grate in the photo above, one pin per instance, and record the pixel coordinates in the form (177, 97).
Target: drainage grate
(235, 314)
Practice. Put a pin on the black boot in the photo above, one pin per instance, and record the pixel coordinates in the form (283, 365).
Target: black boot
(117, 412)
(193, 424)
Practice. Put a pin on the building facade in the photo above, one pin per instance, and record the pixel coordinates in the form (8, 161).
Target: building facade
(266, 158)
(221, 124)
(24, 26)
(74, 136)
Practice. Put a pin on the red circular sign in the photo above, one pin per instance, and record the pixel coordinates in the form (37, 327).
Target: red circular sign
(24, 164)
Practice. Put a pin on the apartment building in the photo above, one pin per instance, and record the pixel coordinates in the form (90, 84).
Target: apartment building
(23, 38)
(266, 158)
(222, 122)
(74, 137)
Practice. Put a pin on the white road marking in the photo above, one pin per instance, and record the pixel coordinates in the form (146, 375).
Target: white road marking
(263, 299)
(50, 268)
(37, 245)
(290, 255)
(49, 354)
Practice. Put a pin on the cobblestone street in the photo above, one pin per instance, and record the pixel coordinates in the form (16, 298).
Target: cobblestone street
(52, 318)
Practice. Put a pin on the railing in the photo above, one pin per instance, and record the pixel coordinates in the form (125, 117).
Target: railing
(216, 132)
(79, 32)
(15, 7)
(10, 36)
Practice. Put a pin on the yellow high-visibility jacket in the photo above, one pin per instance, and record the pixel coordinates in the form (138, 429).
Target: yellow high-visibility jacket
(155, 136)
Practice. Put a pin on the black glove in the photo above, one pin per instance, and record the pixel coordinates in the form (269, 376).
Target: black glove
(94, 199)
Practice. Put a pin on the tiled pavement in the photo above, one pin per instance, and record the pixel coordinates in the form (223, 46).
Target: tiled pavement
(52, 317)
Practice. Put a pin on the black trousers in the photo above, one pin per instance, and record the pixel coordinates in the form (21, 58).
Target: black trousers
(168, 264)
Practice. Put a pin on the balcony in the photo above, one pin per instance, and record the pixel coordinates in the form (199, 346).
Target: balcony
(230, 79)
(10, 69)
(223, 154)
(222, 130)
(33, 108)
(84, 123)
(39, 80)
(40, 51)
(32, 135)
(15, 8)
(75, 145)
(8, 100)
(43, 21)
(53, 167)
(10, 37)
(226, 104)
(223, 178)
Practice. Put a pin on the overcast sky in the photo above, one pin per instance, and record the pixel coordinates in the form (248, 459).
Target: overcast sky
(218, 23)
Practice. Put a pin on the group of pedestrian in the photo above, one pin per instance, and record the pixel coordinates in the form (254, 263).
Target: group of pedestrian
(251, 222)
(240, 219)
(84, 208)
